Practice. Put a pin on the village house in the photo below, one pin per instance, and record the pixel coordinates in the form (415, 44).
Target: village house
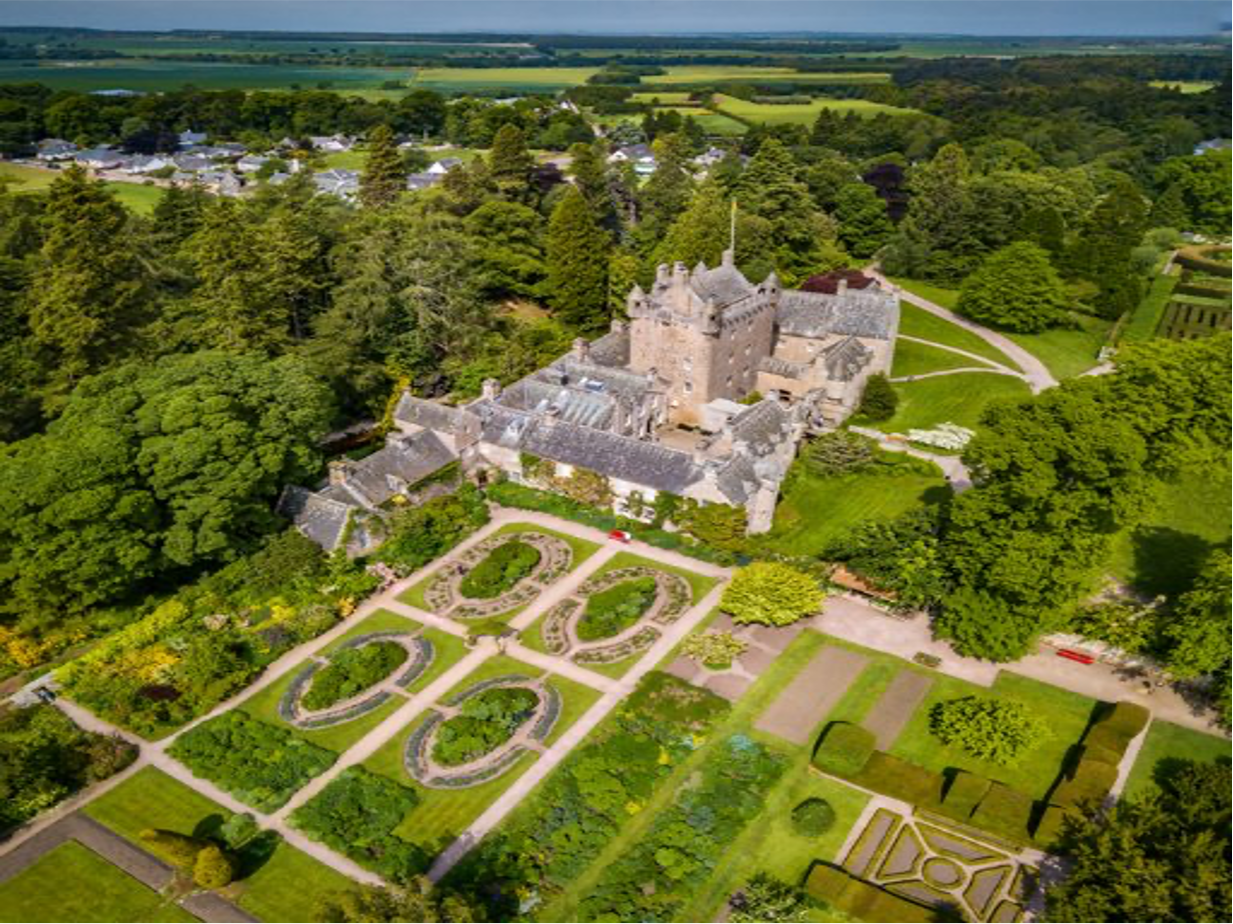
(444, 165)
(338, 182)
(332, 144)
(250, 163)
(639, 155)
(52, 149)
(188, 138)
(101, 158)
(703, 394)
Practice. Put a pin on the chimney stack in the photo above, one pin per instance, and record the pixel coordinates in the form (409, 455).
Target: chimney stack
(490, 389)
(582, 349)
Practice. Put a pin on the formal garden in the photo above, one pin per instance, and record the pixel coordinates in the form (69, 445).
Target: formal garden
(498, 577)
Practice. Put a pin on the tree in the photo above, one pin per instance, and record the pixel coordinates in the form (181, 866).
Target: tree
(997, 730)
(840, 452)
(813, 817)
(1197, 634)
(508, 242)
(178, 849)
(1162, 856)
(668, 189)
(937, 239)
(771, 593)
(1102, 252)
(384, 178)
(1046, 228)
(150, 468)
(1203, 185)
(212, 869)
(703, 231)
(419, 901)
(89, 290)
(879, 398)
(864, 225)
(590, 175)
(1016, 289)
(766, 899)
(510, 164)
(577, 263)
(1169, 209)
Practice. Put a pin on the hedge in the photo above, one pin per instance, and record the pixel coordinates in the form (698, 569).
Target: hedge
(1107, 738)
(1052, 823)
(1099, 754)
(1128, 719)
(1087, 785)
(1007, 812)
(901, 779)
(964, 794)
(1195, 258)
(862, 900)
(844, 749)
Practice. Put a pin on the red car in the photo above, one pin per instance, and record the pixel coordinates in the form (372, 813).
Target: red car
(620, 535)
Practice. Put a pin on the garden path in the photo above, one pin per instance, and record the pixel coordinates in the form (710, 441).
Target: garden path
(1127, 762)
(960, 370)
(985, 361)
(1036, 374)
(812, 694)
(952, 467)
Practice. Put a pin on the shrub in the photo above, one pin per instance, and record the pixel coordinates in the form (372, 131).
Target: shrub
(180, 850)
(614, 610)
(765, 898)
(1052, 824)
(1005, 811)
(879, 400)
(996, 730)
(500, 570)
(212, 869)
(844, 749)
(356, 815)
(965, 792)
(771, 593)
(840, 452)
(813, 818)
(862, 900)
(487, 721)
(351, 671)
(717, 650)
(1087, 785)
(901, 779)
(259, 763)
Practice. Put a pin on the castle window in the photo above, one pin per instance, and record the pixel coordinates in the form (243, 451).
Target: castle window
(689, 386)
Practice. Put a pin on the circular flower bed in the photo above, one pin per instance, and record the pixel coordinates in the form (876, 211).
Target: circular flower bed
(504, 567)
(355, 668)
(479, 734)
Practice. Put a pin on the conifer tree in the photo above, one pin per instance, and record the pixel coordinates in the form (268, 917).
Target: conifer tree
(1046, 228)
(941, 217)
(178, 214)
(864, 225)
(667, 191)
(879, 400)
(1016, 289)
(510, 164)
(385, 177)
(89, 289)
(577, 263)
(1103, 250)
(1169, 209)
(590, 175)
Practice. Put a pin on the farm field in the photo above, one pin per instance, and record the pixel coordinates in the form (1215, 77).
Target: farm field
(815, 511)
(152, 75)
(802, 113)
(704, 73)
(531, 79)
(1184, 86)
(136, 196)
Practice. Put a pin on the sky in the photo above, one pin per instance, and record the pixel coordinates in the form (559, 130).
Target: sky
(966, 17)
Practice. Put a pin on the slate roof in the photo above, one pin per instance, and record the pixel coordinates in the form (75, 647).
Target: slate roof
(430, 414)
(401, 462)
(607, 453)
(612, 349)
(726, 284)
(322, 519)
(846, 358)
(592, 376)
(571, 404)
(737, 479)
(776, 366)
(869, 313)
(761, 425)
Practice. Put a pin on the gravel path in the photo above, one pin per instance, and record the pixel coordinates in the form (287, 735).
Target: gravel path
(800, 706)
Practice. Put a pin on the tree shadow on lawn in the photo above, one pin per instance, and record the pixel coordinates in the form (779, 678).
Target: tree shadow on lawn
(1167, 560)
(249, 858)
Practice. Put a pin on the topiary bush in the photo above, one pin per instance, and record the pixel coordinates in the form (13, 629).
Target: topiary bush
(351, 671)
(813, 818)
(212, 869)
(180, 850)
(500, 570)
(844, 749)
(612, 611)
(997, 730)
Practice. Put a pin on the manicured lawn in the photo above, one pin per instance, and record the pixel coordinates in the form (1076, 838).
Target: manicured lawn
(496, 666)
(958, 399)
(337, 738)
(576, 699)
(1167, 744)
(1145, 319)
(1067, 352)
(137, 197)
(939, 295)
(913, 358)
(289, 886)
(1066, 713)
(582, 549)
(917, 322)
(1163, 554)
(355, 159)
(815, 511)
(802, 113)
(152, 799)
(700, 584)
(380, 621)
(73, 883)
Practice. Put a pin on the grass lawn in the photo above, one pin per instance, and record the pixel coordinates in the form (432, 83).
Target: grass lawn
(532, 79)
(152, 799)
(1163, 554)
(801, 113)
(1145, 319)
(1066, 713)
(380, 621)
(913, 358)
(917, 322)
(496, 666)
(815, 511)
(289, 885)
(699, 584)
(345, 160)
(1165, 745)
(576, 699)
(141, 199)
(582, 549)
(337, 738)
(1067, 352)
(73, 883)
(957, 399)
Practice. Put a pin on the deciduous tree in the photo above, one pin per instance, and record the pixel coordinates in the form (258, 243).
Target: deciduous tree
(1016, 289)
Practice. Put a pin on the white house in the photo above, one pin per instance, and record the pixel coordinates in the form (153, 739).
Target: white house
(445, 165)
(332, 144)
(56, 149)
(189, 138)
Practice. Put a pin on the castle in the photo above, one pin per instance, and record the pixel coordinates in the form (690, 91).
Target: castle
(703, 393)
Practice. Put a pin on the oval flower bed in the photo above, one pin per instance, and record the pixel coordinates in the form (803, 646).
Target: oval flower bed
(351, 672)
(503, 567)
(484, 723)
(610, 612)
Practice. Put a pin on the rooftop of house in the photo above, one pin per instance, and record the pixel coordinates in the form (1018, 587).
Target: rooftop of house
(400, 463)
(868, 313)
